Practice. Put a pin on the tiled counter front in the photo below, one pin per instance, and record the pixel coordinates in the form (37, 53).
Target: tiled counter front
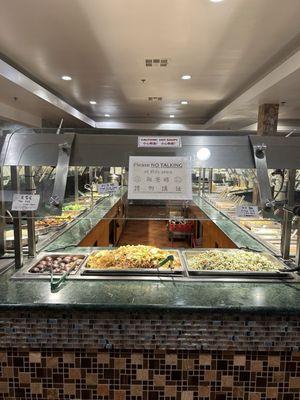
(148, 356)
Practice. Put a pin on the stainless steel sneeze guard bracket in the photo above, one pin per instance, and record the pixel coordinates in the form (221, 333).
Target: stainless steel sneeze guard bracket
(260, 159)
(288, 216)
(61, 174)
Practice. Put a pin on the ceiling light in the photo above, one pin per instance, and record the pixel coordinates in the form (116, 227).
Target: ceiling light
(184, 102)
(216, 1)
(107, 115)
(66, 78)
(93, 102)
(186, 77)
(172, 116)
(203, 154)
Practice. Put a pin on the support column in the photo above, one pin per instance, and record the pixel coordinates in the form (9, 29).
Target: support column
(267, 119)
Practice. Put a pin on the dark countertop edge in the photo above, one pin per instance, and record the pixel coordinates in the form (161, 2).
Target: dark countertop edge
(267, 311)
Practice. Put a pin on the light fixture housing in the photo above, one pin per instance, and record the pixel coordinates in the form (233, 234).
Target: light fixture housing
(106, 115)
(186, 77)
(66, 78)
(93, 102)
(215, 1)
(172, 116)
(184, 102)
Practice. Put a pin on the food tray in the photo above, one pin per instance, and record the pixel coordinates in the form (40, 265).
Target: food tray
(187, 254)
(42, 257)
(131, 271)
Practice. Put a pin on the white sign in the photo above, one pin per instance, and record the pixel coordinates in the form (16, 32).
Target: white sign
(159, 141)
(25, 202)
(247, 211)
(160, 178)
(108, 188)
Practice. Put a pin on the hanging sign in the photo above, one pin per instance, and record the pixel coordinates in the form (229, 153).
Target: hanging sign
(159, 141)
(160, 178)
(25, 202)
(246, 211)
(108, 188)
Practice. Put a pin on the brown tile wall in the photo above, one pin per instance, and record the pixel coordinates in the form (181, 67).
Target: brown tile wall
(148, 375)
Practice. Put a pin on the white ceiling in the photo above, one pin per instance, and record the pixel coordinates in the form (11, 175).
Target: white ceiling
(103, 44)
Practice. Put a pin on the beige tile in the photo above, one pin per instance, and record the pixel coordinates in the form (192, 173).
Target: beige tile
(51, 362)
(159, 380)
(36, 388)
(205, 359)
(69, 358)
(103, 358)
(52, 394)
(74, 373)
(35, 357)
(256, 366)
(227, 381)
(278, 376)
(210, 376)
(254, 396)
(142, 374)
(3, 357)
(4, 387)
(272, 393)
(239, 360)
(238, 391)
(204, 391)
(136, 390)
(24, 377)
(7, 372)
(91, 379)
(171, 359)
(187, 395)
(103, 390)
(294, 383)
(119, 395)
(170, 391)
(274, 361)
(70, 389)
(188, 365)
(137, 358)
(120, 363)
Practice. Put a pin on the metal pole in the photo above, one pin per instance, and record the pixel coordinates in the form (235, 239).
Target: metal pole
(288, 216)
(15, 183)
(91, 184)
(297, 258)
(199, 181)
(210, 180)
(2, 215)
(30, 214)
(203, 180)
(76, 188)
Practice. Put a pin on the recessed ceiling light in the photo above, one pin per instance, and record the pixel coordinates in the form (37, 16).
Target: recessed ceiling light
(93, 102)
(216, 1)
(66, 78)
(107, 115)
(172, 116)
(186, 77)
(184, 102)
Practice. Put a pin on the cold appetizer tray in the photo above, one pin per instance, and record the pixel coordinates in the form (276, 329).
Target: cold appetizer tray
(233, 262)
(57, 263)
(133, 260)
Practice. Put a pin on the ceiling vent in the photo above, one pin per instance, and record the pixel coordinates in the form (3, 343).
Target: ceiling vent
(156, 62)
(155, 98)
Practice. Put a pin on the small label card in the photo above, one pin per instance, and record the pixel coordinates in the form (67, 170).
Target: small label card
(108, 188)
(246, 211)
(25, 202)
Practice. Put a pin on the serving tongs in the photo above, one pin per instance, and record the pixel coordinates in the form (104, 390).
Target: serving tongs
(56, 282)
(170, 259)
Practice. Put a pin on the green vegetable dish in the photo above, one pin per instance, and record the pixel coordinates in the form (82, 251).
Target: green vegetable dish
(215, 260)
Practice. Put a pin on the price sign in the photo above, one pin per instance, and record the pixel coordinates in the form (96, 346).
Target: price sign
(159, 141)
(104, 188)
(246, 211)
(160, 178)
(25, 202)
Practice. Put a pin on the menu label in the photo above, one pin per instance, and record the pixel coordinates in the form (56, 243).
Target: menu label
(25, 202)
(246, 211)
(108, 188)
(159, 141)
(160, 178)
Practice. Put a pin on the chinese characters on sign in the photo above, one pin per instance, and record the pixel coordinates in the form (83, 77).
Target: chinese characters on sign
(25, 202)
(159, 141)
(108, 188)
(160, 178)
(247, 211)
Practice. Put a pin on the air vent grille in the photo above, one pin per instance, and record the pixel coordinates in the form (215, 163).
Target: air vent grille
(156, 62)
(154, 98)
